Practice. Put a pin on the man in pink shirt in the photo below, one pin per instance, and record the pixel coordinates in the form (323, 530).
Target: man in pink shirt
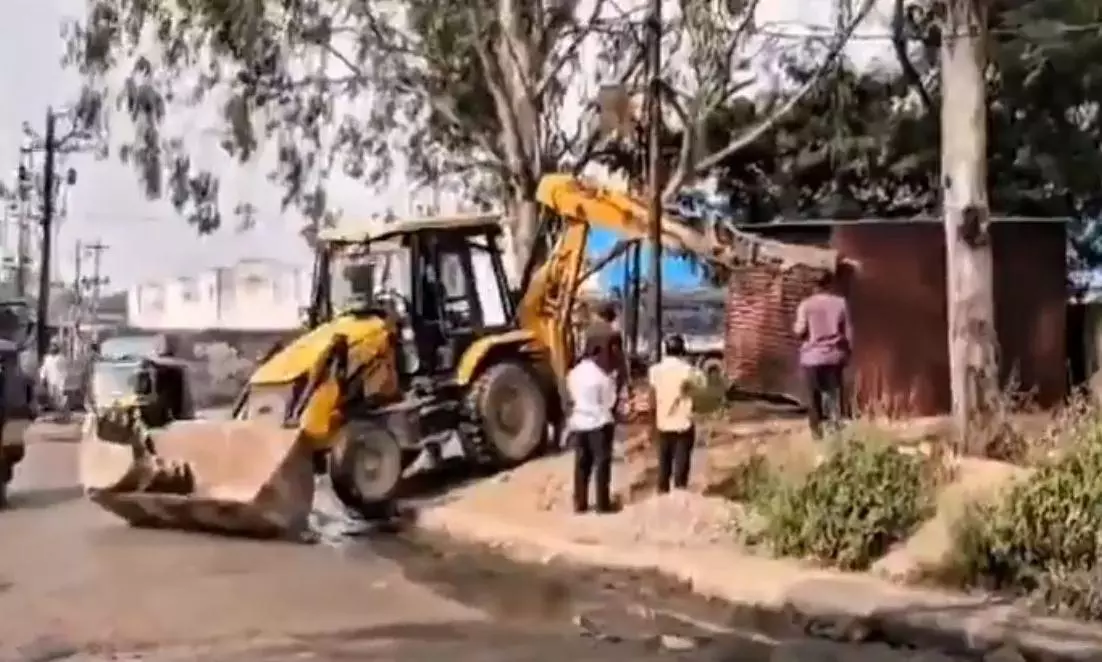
(823, 324)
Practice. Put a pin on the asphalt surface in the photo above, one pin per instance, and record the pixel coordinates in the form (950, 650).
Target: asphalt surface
(76, 584)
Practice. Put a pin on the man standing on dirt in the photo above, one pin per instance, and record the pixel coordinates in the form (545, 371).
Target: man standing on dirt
(592, 393)
(603, 329)
(673, 384)
(823, 324)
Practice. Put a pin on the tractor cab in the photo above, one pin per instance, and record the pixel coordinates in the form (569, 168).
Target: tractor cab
(441, 281)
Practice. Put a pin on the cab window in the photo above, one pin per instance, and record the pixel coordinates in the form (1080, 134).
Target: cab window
(491, 297)
(457, 300)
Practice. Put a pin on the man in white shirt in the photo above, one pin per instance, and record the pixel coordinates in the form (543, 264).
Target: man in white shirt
(53, 374)
(673, 382)
(591, 424)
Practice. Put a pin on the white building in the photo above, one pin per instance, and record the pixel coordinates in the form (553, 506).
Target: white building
(252, 295)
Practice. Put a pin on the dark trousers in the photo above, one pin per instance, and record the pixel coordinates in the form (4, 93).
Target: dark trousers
(826, 396)
(593, 460)
(675, 452)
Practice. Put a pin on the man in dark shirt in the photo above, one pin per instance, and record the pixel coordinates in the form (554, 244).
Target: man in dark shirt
(604, 330)
(823, 324)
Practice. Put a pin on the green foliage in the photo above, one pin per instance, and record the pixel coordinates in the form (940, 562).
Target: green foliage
(710, 396)
(864, 143)
(1041, 539)
(849, 510)
(752, 481)
(477, 97)
(347, 88)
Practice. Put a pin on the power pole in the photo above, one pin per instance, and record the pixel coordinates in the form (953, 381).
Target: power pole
(42, 333)
(77, 273)
(78, 290)
(654, 175)
(97, 281)
(23, 259)
(973, 366)
(25, 188)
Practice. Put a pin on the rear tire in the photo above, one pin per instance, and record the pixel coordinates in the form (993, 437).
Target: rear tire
(365, 469)
(713, 368)
(512, 409)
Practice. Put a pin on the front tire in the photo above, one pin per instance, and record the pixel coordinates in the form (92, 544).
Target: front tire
(512, 409)
(365, 469)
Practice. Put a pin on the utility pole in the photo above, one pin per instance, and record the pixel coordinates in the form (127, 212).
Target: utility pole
(47, 187)
(42, 335)
(654, 175)
(78, 292)
(973, 366)
(25, 191)
(97, 281)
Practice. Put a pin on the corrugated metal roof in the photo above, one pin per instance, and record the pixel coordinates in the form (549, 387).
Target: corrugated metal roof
(354, 233)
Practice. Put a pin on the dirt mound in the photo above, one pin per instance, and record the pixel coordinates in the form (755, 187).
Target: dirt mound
(680, 519)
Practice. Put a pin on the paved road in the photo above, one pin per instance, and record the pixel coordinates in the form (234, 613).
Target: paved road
(76, 584)
(75, 580)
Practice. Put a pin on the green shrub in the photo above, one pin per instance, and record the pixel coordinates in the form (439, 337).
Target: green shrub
(1044, 537)
(848, 511)
(711, 396)
(749, 481)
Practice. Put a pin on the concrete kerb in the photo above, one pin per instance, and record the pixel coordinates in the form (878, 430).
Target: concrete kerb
(834, 604)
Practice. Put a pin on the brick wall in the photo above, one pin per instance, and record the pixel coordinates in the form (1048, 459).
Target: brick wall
(898, 305)
(761, 352)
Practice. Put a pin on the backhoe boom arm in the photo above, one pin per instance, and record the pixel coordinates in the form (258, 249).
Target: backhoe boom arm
(579, 202)
(549, 295)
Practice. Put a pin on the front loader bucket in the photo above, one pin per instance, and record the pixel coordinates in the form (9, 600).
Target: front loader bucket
(237, 477)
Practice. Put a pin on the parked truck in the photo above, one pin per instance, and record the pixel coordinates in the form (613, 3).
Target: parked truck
(697, 315)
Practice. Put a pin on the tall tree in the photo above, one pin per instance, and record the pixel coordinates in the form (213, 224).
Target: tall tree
(479, 93)
(474, 91)
(880, 157)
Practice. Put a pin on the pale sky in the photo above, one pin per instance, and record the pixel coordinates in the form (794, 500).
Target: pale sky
(147, 240)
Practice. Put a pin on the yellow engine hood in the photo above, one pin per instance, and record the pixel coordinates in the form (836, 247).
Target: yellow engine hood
(300, 355)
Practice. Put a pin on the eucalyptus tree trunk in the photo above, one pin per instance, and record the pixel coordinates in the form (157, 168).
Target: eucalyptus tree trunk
(973, 355)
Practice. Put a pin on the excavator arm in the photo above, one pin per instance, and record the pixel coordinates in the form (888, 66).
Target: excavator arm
(548, 298)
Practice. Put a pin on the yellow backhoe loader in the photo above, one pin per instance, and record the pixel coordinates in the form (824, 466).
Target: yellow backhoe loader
(414, 338)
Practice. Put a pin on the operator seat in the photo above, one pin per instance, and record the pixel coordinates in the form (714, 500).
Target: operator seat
(165, 389)
(430, 336)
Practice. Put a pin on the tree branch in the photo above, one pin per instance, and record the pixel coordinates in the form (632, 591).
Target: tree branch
(685, 172)
(899, 45)
(514, 150)
(595, 139)
(571, 51)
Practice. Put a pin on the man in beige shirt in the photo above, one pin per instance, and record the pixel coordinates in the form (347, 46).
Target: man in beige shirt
(673, 382)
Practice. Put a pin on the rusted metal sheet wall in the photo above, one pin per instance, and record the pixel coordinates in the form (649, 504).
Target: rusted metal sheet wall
(1031, 307)
(897, 298)
(898, 302)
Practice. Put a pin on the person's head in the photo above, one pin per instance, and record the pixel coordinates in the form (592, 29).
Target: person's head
(54, 347)
(675, 346)
(596, 350)
(607, 312)
(825, 282)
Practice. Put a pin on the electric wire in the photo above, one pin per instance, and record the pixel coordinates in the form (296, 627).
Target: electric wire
(1046, 31)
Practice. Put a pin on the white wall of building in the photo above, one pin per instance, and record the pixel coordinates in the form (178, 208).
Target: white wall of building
(252, 295)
